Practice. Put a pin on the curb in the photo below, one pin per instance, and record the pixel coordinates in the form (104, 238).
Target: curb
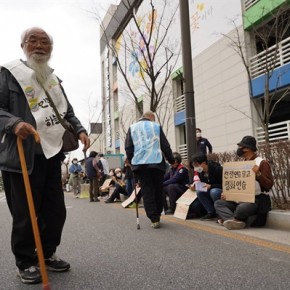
(278, 219)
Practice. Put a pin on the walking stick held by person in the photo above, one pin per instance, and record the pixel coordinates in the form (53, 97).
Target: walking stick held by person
(136, 201)
(45, 283)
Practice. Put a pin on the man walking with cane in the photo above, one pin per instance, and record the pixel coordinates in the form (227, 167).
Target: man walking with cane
(24, 106)
(145, 145)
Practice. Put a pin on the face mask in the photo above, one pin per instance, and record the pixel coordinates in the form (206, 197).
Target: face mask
(198, 135)
(240, 152)
(75, 162)
(198, 169)
(119, 174)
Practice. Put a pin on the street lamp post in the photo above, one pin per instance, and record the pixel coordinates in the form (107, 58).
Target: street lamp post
(187, 79)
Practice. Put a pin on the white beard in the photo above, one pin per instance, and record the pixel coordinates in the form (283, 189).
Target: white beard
(40, 67)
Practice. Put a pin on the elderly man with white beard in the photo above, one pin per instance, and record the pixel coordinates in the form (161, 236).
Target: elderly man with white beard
(24, 108)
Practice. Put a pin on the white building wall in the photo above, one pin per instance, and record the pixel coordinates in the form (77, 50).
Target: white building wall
(220, 80)
(222, 102)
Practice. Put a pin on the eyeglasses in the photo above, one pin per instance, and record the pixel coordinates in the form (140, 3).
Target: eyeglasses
(34, 41)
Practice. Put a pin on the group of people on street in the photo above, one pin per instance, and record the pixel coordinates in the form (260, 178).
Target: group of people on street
(95, 171)
(25, 108)
(146, 154)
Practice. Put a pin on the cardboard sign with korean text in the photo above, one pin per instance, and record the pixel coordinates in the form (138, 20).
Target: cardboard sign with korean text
(239, 181)
(183, 203)
(131, 198)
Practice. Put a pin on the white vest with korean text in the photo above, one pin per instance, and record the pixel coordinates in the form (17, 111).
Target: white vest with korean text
(47, 124)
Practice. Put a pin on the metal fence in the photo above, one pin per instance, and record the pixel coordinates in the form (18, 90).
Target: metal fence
(250, 3)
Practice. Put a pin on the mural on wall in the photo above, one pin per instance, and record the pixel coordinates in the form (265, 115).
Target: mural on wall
(209, 19)
(200, 15)
(133, 50)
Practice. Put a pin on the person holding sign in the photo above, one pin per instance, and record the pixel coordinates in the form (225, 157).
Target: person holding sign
(209, 188)
(235, 215)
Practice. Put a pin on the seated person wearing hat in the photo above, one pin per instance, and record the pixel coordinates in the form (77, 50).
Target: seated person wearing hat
(235, 215)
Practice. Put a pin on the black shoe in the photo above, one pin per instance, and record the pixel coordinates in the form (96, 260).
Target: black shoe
(55, 264)
(209, 217)
(169, 211)
(91, 200)
(97, 199)
(30, 275)
(109, 201)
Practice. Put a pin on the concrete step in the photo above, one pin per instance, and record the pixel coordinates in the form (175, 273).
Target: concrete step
(279, 219)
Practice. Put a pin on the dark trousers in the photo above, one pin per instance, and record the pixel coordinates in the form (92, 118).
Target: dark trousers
(47, 192)
(228, 210)
(116, 193)
(151, 181)
(94, 190)
(174, 192)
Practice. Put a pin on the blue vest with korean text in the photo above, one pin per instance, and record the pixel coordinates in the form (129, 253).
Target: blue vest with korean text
(146, 138)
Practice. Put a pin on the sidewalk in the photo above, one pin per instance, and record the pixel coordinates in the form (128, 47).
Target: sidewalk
(277, 229)
(276, 233)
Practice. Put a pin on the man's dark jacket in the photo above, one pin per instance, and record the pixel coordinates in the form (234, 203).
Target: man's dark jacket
(14, 108)
(215, 175)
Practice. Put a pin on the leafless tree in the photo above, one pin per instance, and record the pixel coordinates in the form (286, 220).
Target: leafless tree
(146, 41)
(267, 38)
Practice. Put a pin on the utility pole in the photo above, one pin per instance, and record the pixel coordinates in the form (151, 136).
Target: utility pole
(187, 79)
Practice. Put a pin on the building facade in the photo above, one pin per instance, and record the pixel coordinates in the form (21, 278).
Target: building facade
(239, 73)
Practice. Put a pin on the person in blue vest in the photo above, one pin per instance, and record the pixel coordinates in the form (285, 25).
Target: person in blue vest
(145, 146)
(24, 107)
(93, 174)
(175, 183)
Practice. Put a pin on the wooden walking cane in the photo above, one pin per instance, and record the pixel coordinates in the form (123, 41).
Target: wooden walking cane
(45, 283)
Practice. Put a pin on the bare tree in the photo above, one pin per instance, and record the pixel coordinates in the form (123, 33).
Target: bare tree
(267, 38)
(147, 42)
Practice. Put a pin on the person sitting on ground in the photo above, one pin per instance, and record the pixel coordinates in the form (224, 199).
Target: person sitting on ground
(129, 180)
(196, 209)
(119, 183)
(235, 215)
(174, 183)
(210, 173)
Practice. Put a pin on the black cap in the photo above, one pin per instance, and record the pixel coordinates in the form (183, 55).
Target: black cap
(249, 142)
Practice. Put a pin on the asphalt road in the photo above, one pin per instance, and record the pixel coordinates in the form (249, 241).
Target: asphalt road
(106, 251)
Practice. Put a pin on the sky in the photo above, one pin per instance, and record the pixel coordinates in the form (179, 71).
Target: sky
(75, 28)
